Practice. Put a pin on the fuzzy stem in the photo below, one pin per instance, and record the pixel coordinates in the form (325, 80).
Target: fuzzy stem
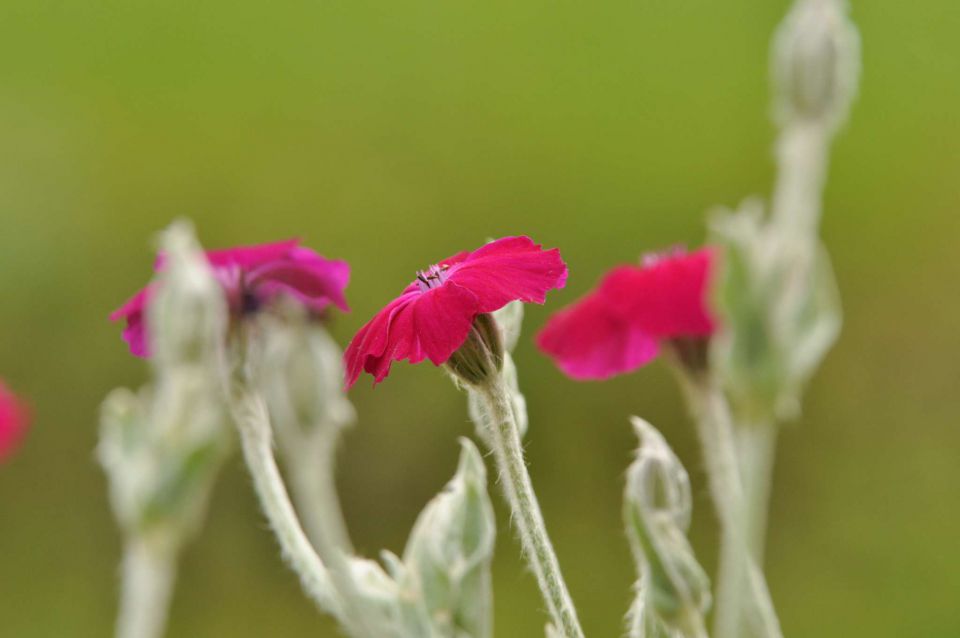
(802, 158)
(313, 481)
(253, 422)
(503, 437)
(741, 584)
(756, 446)
(149, 572)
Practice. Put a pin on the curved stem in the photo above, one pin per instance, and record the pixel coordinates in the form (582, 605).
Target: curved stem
(255, 436)
(503, 437)
(313, 480)
(148, 575)
(741, 584)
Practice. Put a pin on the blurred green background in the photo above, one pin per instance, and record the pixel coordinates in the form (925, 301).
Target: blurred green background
(392, 134)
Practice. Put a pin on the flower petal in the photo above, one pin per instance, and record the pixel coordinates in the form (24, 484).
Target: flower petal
(371, 348)
(243, 256)
(588, 340)
(252, 256)
(667, 297)
(14, 419)
(316, 281)
(442, 320)
(135, 332)
(509, 269)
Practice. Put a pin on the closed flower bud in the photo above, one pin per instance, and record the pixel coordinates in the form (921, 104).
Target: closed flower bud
(480, 357)
(301, 373)
(673, 589)
(781, 315)
(122, 432)
(188, 314)
(816, 61)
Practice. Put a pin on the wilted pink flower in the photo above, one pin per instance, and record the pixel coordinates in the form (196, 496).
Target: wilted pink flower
(252, 277)
(433, 316)
(14, 419)
(619, 326)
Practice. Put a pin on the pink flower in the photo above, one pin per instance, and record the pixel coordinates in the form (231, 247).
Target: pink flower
(619, 327)
(587, 340)
(252, 277)
(433, 316)
(14, 419)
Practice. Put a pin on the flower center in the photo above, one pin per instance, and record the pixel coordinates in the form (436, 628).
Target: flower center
(433, 277)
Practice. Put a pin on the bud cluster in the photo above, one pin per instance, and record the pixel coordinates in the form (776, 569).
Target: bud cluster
(162, 448)
(781, 310)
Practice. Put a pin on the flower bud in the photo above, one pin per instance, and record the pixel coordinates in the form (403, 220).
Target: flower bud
(160, 450)
(300, 369)
(780, 315)
(188, 315)
(122, 431)
(163, 447)
(657, 507)
(815, 63)
(481, 355)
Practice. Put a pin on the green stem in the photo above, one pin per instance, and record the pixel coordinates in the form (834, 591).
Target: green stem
(255, 436)
(503, 437)
(149, 572)
(756, 446)
(313, 479)
(741, 585)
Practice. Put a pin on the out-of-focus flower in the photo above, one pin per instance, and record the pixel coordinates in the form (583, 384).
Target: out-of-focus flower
(620, 325)
(14, 420)
(252, 277)
(815, 63)
(589, 340)
(448, 302)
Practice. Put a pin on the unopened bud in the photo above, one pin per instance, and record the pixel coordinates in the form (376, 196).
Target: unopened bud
(188, 315)
(815, 63)
(122, 429)
(480, 357)
(657, 507)
(780, 315)
(301, 372)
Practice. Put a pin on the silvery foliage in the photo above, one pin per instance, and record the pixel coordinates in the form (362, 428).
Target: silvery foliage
(441, 587)
(781, 313)
(672, 591)
(777, 293)
(162, 447)
(510, 321)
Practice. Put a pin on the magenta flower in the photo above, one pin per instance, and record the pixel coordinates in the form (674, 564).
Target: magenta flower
(620, 326)
(588, 340)
(433, 316)
(252, 277)
(14, 420)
